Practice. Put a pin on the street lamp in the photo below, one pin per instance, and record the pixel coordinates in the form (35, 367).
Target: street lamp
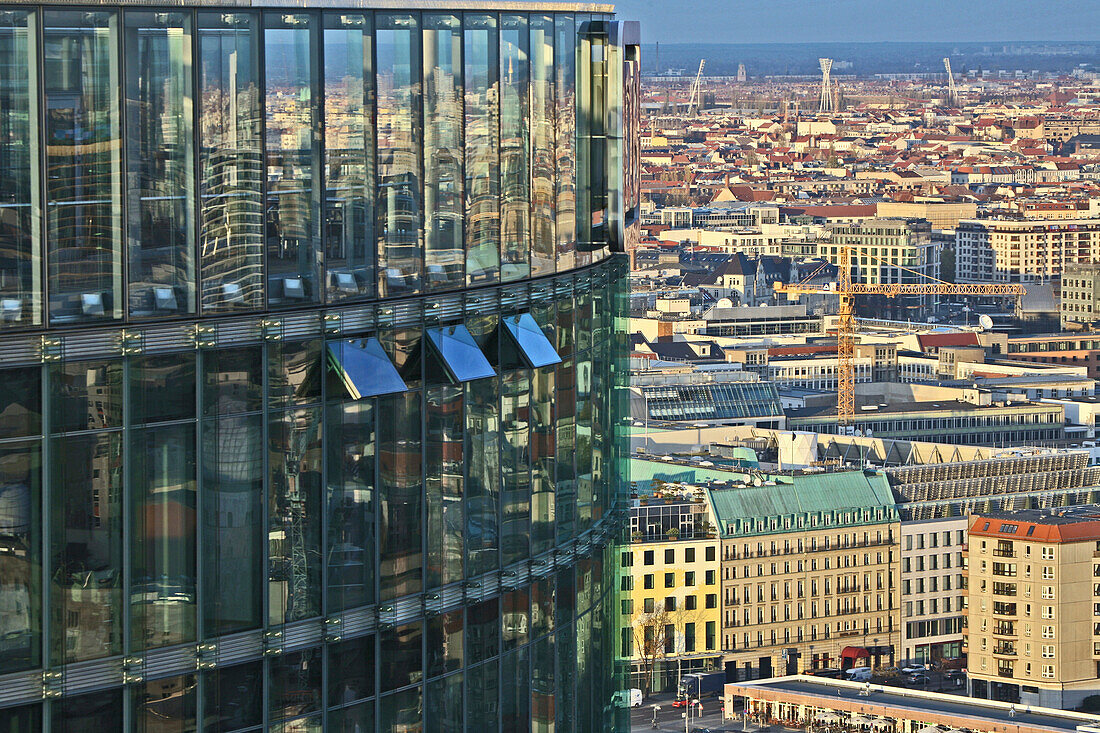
(656, 708)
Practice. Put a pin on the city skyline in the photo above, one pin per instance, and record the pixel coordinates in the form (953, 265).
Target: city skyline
(852, 21)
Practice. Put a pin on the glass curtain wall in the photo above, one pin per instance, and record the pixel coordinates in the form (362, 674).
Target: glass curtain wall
(543, 155)
(482, 93)
(349, 155)
(515, 141)
(160, 166)
(82, 86)
(398, 203)
(443, 178)
(230, 162)
(292, 212)
(20, 226)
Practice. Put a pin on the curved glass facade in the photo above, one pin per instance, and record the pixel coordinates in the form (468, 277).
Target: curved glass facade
(309, 368)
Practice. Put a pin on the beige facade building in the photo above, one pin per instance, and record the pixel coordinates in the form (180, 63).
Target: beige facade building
(810, 573)
(1009, 250)
(941, 214)
(1079, 305)
(1033, 616)
(933, 591)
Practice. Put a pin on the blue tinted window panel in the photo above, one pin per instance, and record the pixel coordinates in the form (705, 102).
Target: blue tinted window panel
(459, 352)
(532, 342)
(364, 369)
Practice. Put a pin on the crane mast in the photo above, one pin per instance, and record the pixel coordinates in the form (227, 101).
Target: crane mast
(846, 325)
(695, 102)
(952, 92)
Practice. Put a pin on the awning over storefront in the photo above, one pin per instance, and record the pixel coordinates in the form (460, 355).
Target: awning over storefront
(854, 652)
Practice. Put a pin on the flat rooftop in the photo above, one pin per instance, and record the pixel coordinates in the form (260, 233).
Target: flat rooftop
(486, 5)
(903, 408)
(929, 707)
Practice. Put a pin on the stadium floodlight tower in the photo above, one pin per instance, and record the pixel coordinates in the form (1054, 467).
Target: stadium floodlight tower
(952, 92)
(825, 104)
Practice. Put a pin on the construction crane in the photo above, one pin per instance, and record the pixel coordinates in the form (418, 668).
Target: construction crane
(952, 92)
(845, 290)
(825, 103)
(695, 101)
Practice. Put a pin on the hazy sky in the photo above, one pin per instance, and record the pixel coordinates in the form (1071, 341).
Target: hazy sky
(780, 21)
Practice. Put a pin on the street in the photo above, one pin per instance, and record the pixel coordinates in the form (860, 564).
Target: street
(671, 719)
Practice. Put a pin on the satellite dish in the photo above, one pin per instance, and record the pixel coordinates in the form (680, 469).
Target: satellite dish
(724, 303)
(985, 322)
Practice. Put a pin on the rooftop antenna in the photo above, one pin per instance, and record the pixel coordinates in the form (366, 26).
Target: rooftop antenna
(825, 102)
(657, 59)
(696, 95)
(952, 92)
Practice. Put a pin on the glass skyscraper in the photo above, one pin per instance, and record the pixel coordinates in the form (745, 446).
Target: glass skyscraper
(309, 365)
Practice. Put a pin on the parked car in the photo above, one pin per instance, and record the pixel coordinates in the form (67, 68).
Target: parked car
(913, 668)
(918, 678)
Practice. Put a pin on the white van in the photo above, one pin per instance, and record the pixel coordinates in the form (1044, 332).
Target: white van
(629, 698)
(858, 674)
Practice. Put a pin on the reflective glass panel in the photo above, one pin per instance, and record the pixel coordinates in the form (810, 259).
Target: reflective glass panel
(233, 520)
(295, 683)
(445, 643)
(349, 155)
(162, 593)
(162, 387)
(401, 493)
(514, 618)
(482, 149)
(566, 148)
(482, 693)
(459, 353)
(351, 670)
(401, 648)
(294, 515)
(565, 417)
(482, 501)
(535, 349)
(515, 465)
(443, 183)
(166, 705)
(482, 631)
(233, 697)
(232, 380)
(542, 460)
(543, 164)
(515, 139)
(84, 174)
(350, 451)
(86, 547)
(20, 561)
(20, 402)
(21, 719)
(398, 203)
(160, 165)
(401, 712)
(85, 395)
(230, 162)
(444, 700)
(516, 690)
(95, 711)
(294, 372)
(443, 476)
(357, 718)
(362, 369)
(20, 227)
(293, 209)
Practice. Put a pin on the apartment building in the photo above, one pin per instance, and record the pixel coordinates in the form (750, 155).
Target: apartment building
(1033, 613)
(670, 608)
(810, 572)
(1019, 251)
(933, 589)
(1079, 305)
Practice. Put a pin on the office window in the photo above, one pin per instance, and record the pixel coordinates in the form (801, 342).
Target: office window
(689, 578)
(670, 580)
(670, 557)
(689, 554)
(647, 581)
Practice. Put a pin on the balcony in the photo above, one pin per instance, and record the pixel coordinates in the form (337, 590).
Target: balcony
(1004, 650)
(1005, 631)
(1004, 672)
(1003, 552)
(1004, 609)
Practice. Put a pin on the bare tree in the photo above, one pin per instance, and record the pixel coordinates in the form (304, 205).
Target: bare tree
(659, 634)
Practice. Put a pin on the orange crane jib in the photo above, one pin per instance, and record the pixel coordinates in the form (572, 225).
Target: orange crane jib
(846, 325)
